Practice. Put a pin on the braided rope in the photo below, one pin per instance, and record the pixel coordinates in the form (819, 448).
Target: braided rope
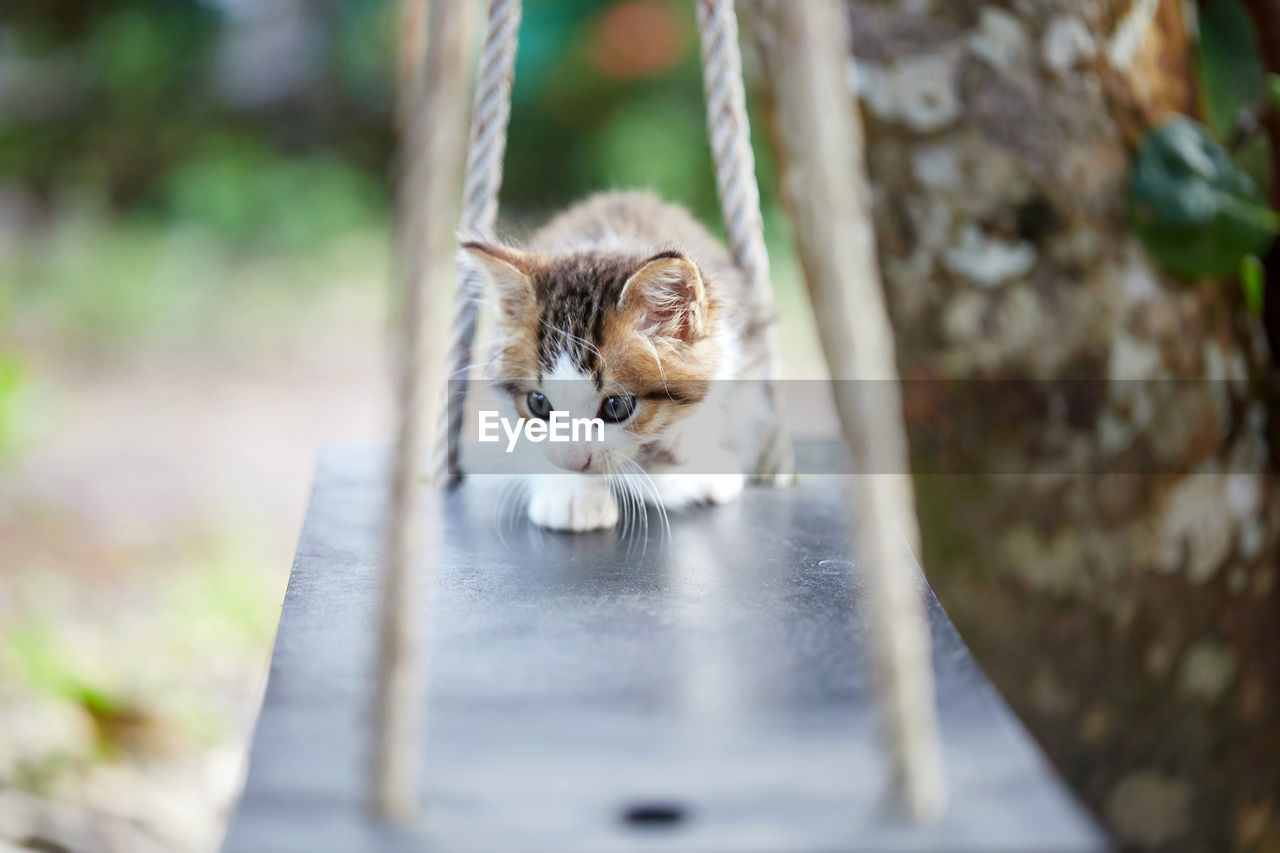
(433, 102)
(490, 115)
(730, 135)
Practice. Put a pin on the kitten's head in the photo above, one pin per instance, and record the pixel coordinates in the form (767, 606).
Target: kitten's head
(624, 338)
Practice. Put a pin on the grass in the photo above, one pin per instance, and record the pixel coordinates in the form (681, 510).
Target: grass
(105, 285)
(155, 670)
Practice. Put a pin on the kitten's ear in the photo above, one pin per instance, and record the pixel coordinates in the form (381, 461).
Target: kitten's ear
(668, 296)
(507, 270)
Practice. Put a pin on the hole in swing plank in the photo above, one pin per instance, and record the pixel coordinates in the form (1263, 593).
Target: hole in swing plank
(655, 815)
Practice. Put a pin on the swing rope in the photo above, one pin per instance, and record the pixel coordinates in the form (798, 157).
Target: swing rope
(739, 193)
(490, 116)
(731, 141)
(433, 92)
(804, 46)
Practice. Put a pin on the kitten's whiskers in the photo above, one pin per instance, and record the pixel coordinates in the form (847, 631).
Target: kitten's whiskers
(651, 489)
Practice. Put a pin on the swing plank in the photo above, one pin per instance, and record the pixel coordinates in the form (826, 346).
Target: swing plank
(706, 689)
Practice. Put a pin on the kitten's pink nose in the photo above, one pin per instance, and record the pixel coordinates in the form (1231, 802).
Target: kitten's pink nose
(577, 459)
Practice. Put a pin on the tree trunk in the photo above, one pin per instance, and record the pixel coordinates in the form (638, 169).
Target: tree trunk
(1130, 618)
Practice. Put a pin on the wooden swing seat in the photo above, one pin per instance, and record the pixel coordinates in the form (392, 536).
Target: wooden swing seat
(706, 691)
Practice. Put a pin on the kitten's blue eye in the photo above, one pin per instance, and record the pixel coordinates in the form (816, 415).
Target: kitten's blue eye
(539, 405)
(617, 408)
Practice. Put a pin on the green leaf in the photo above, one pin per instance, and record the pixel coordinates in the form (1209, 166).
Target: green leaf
(1273, 89)
(1253, 278)
(12, 379)
(1253, 157)
(1230, 70)
(1197, 214)
(43, 662)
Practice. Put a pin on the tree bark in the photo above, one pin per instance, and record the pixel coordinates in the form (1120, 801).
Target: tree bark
(1129, 617)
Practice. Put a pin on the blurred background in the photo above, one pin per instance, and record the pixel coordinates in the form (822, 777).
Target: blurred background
(193, 275)
(194, 235)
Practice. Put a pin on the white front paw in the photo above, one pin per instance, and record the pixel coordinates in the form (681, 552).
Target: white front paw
(572, 502)
(681, 490)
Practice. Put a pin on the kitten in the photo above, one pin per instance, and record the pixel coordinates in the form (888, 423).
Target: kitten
(625, 308)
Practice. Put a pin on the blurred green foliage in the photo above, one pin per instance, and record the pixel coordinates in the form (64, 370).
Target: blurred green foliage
(136, 112)
(94, 284)
(110, 88)
(577, 127)
(12, 380)
(1253, 279)
(246, 191)
(142, 54)
(1197, 213)
(1196, 192)
(1229, 69)
(12, 384)
(38, 657)
(136, 679)
(143, 166)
